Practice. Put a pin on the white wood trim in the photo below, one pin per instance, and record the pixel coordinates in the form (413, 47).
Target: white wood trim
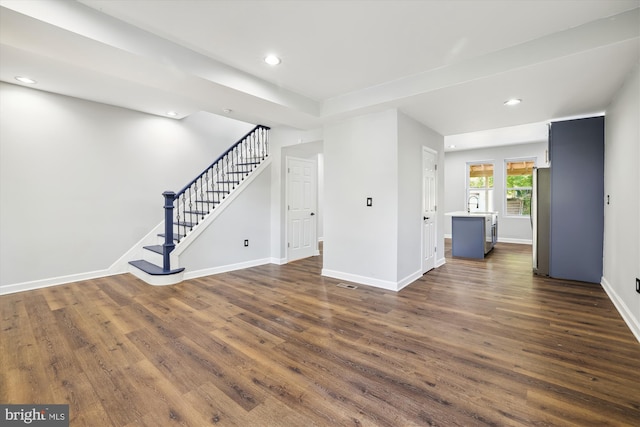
(363, 280)
(53, 281)
(226, 268)
(632, 322)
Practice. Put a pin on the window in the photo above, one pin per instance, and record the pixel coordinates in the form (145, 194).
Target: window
(519, 186)
(480, 187)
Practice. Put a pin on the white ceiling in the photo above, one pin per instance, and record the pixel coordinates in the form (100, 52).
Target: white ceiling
(448, 64)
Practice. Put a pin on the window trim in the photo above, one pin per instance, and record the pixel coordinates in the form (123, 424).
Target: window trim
(505, 189)
(468, 188)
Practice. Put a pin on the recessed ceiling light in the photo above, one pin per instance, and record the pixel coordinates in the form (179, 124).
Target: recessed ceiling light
(172, 114)
(452, 146)
(513, 101)
(26, 80)
(272, 60)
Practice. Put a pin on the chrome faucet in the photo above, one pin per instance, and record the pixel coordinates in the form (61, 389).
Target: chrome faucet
(469, 202)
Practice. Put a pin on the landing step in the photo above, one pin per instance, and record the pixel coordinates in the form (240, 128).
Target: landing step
(153, 269)
(154, 248)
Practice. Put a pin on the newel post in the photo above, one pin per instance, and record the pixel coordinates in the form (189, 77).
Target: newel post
(168, 246)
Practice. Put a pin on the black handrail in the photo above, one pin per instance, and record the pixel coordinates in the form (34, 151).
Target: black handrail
(226, 179)
(186, 187)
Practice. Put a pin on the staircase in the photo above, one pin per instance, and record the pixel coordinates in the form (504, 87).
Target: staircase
(191, 206)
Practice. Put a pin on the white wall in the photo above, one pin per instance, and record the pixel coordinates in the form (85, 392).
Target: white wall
(360, 159)
(379, 156)
(412, 136)
(82, 182)
(622, 216)
(510, 229)
(222, 243)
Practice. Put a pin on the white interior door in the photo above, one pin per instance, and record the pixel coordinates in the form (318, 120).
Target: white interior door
(301, 209)
(429, 190)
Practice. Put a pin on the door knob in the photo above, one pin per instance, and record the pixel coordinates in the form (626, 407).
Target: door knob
(312, 213)
(425, 218)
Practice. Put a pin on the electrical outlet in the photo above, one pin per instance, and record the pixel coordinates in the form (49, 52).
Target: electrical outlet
(637, 285)
(369, 201)
(246, 242)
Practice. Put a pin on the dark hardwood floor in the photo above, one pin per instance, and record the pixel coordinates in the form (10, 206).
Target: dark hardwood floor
(471, 343)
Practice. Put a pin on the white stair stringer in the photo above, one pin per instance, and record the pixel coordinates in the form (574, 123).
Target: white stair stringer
(136, 252)
(211, 216)
(157, 280)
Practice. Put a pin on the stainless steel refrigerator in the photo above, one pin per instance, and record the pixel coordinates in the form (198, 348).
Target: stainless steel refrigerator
(540, 219)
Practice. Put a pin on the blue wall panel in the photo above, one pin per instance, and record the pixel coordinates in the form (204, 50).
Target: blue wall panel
(577, 199)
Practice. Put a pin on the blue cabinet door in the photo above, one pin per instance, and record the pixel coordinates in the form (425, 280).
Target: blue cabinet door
(467, 237)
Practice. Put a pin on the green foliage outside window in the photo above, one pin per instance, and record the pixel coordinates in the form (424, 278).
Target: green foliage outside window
(519, 181)
(481, 182)
(519, 190)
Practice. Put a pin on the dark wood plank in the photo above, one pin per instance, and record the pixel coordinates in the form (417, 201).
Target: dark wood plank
(474, 342)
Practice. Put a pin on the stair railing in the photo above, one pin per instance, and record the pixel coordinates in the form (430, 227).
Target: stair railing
(198, 198)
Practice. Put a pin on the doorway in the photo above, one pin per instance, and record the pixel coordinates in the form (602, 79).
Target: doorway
(429, 207)
(301, 208)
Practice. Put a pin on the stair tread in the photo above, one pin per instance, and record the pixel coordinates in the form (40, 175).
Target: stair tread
(154, 248)
(217, 191)
(207, 201)
(153, 269)
(196, 212)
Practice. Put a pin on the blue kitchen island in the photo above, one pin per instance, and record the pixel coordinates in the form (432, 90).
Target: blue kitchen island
(473, 234)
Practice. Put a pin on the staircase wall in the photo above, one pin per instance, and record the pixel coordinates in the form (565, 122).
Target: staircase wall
(220, 247)
(81, 182)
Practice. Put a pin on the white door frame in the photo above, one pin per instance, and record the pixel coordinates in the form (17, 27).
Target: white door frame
(314, 225)
(426, 267)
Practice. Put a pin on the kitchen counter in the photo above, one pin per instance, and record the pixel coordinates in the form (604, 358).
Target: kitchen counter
(470, 214)
(473, 234)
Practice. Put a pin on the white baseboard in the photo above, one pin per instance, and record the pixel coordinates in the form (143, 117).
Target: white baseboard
(440, 262)
(516, 241)
(629, 318)
(53, 281)
(226, 268)
(409, 280)
(363, 280)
